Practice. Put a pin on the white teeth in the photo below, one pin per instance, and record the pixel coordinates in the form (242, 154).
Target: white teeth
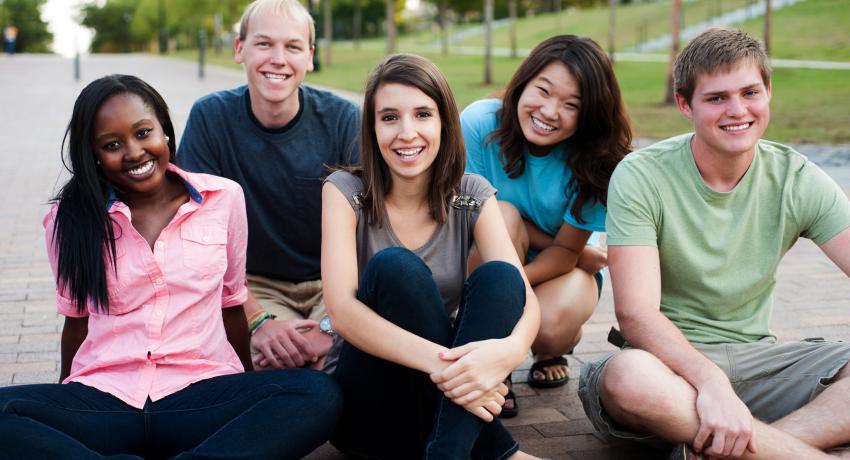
(736, 127)
(143, 168)
(542, 125)
(274, 76)
(408, 152)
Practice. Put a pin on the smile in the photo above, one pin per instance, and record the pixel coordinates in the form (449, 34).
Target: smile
(409, 153)
(540, 125)
(142, 169)
(275, 76)
(737, 127)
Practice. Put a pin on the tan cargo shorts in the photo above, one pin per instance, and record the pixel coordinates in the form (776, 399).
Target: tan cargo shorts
(288, 300)
(772, 379)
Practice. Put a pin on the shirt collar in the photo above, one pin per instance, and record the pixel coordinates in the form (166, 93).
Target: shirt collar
(195, 184)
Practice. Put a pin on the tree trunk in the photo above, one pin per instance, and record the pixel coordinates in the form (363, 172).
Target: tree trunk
(767, 26)
(390, 25)
(612, 28)
(556, 4)
(674, 50)
(328, 31)
(488, 42)
(512, 6)
(358, 23)
(443, 11)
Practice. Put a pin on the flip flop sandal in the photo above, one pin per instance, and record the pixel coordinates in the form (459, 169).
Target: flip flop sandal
(540, 366)
(509, 412)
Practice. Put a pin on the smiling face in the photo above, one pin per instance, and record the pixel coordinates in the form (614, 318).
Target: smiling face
(730, 111)
(277, 55)
(407, 129)
(548, 108)
(130, 145)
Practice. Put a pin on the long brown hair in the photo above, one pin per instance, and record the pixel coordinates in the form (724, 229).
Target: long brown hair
(603, 135)
(447, 169)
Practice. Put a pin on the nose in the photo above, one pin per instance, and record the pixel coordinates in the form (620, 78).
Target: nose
(134, 150)
(549, 109)
(736, 107)
(278, 56)
(407, 130)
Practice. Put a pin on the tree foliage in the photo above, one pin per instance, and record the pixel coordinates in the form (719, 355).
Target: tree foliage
(33, 35)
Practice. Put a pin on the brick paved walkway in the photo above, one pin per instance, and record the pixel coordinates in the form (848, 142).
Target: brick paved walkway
(36, 97)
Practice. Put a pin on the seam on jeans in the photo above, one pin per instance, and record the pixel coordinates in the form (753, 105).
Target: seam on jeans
(436, 426)
(509, 452)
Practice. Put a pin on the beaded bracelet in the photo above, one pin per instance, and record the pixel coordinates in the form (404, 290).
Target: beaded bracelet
(259, 320)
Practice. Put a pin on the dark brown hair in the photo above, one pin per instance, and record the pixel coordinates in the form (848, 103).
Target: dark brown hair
(716, 50)
(447, 169)
(603, 135)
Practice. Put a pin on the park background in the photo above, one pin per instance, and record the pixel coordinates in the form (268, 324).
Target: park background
(158, 40)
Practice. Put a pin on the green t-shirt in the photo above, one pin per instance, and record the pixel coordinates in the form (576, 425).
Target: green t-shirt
(719, 250)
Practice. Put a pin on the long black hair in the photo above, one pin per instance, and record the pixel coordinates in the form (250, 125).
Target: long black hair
(83, 234)
(603, 135)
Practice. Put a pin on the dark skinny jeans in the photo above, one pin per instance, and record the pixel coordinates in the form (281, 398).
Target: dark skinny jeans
(394, 412)
(281, 414)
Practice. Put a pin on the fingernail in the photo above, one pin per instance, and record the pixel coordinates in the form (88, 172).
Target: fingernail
(441, 354)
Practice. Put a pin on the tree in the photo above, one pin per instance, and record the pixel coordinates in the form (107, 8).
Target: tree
(488, 42)
(612, 28)
(391, 26)
(676, 25)
(328, 29)
(111, 25)
(767, 26)
(33, 35)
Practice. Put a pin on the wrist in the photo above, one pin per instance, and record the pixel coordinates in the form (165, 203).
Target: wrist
(258, 320)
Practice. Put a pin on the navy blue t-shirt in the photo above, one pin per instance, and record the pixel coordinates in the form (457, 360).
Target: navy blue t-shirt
(280, 170)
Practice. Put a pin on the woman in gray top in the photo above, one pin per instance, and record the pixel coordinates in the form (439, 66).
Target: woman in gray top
(425, 349)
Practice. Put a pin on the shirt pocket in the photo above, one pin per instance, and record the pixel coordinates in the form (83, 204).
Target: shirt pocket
(204, 247)
(117, 280)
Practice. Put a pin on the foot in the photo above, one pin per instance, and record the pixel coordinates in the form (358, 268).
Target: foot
(509, 408)
(548, 371)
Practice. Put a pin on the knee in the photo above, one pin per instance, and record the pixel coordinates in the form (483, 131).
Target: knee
(514, 223)
(396, 265)
(500, 280)
(326, 394)
(626, 387)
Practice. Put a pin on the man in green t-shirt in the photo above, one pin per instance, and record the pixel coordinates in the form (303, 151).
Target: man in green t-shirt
(697, 225)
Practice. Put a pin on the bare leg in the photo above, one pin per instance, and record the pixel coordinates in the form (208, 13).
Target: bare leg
(824, 422)
(566, 302)
(640, 392)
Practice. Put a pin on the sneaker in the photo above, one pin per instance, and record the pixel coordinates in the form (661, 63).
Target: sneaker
(684, 452)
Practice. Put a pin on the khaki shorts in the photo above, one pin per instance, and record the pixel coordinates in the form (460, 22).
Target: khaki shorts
(288, 300)
(772, 379)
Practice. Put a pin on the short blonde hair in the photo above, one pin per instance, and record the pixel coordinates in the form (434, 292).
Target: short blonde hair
(289, 8)
(715, 50)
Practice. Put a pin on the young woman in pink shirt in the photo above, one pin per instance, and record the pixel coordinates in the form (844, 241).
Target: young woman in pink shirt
(150, 268)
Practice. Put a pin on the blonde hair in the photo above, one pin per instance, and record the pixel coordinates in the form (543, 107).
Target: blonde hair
(288, 8)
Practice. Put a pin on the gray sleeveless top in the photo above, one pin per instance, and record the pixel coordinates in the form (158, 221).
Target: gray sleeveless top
(445, 253)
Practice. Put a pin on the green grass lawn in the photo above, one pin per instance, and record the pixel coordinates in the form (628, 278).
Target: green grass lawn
(808, 105)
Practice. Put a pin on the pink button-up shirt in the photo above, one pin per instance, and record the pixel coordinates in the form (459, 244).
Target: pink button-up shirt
(164, 328)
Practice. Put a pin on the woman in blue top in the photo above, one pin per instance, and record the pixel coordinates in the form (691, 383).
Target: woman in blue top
(549, 146)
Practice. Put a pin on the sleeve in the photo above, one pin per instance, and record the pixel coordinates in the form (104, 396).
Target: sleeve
(819, 205)
(593, 213)
(474, 138)
(195, 152)
(477, 187)
(64, 304)
(235, 291)
(350, 186)
(634, 208)
(351, 137)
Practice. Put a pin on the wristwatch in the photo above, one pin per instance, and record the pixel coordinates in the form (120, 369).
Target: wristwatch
(325, 326)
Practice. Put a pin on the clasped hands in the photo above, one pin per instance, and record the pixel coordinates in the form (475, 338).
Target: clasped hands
(475, 373)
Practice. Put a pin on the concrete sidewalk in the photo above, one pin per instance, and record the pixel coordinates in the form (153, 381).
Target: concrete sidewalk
(36, 98)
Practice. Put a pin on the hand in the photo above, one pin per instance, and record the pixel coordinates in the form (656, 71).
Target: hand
(592, 259)
(490, 404)
(478, 368)
(281, 344)
(724, 419)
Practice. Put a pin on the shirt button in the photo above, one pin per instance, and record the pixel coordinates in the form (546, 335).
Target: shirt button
(149, 363)
(159, 244)
(158, 281)
(158, 313)
(206, 238)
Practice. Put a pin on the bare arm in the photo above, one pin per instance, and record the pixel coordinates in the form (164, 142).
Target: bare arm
(352, 319)
(236, 328)
(636, 278)
(559, 257)
(73, 334)
(838, 250)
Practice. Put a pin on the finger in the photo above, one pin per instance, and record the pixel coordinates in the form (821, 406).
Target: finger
(481, 413)
(449, 376)
(493, 407)
(751, 444)
(717, 445)
(304, 324)
(702, 436)
(304, 346)
(502, 389)
(740, 446)
(284, 352)
(270, 356)
(457, 352)
(467, 398)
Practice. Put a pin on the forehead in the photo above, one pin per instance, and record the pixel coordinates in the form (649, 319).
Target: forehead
(400, 95)
(122, 109)
(560, 77)
(278, 24)
(739, 75)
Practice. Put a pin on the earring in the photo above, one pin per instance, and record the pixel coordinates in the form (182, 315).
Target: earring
(98, 162)
(167, 138)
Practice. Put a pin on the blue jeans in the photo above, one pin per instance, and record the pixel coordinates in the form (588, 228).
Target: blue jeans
(391, 411)
(257, 415)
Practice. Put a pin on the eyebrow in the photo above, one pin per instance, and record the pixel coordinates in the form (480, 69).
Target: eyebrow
(724, 92)
(262, 36)
(112, 133)
(393, 109)
(541, 77)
